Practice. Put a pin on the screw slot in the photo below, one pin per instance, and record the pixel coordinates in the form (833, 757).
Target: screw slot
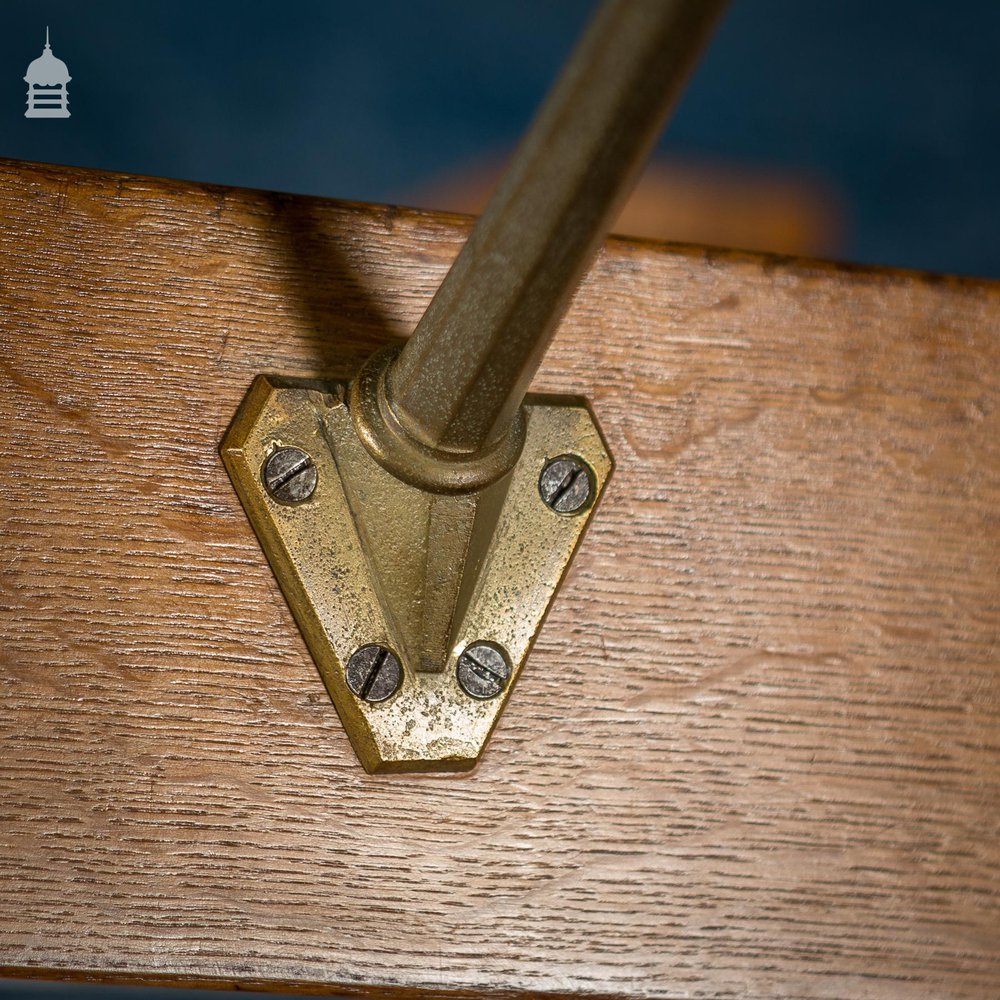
(566, 484)
(374, 673)
(483, 670)
(289, 475)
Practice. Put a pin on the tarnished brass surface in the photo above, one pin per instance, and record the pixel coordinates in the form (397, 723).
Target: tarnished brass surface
(457, 385)
(370, 559)
(409, 459)
(415, 517)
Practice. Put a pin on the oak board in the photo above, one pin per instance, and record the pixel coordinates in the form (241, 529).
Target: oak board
(755, 752)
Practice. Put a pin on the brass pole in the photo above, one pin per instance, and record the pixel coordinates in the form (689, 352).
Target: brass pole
(456, 388)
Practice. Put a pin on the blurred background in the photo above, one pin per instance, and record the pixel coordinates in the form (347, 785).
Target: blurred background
(861, 129)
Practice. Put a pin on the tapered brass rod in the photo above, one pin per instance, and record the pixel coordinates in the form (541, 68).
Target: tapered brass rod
(460, 379)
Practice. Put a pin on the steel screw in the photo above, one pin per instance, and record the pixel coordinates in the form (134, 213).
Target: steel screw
(290, 475)
(483, 670)
(374, 673)
(566, 484)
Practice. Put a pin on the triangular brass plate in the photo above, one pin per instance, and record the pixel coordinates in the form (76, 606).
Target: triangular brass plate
(490, 579)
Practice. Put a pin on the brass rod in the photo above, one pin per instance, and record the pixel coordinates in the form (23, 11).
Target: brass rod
(460, 380)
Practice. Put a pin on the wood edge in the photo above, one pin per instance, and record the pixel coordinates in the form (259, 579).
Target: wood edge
(615, 244)
(294, 987)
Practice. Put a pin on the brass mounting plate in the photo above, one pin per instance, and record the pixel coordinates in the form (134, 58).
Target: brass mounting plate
(368, 559)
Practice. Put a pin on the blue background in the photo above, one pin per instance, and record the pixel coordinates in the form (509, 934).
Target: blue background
(895, 104)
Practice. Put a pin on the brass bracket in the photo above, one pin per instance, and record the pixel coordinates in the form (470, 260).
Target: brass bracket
(418, 607)
(420, 518)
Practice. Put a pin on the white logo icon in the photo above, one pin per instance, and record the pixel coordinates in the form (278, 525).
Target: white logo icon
(47, 78)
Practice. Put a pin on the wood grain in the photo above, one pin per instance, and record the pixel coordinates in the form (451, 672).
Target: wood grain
(755, 753)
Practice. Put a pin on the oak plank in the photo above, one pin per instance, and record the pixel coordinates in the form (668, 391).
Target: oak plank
(755, 752)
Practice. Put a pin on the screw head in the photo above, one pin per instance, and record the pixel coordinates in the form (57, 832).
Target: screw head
(483, 670)
(374, 672)
(289, 475)
(566, 484)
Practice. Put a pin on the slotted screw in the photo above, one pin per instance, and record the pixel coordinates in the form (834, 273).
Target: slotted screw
(483, 670)
(290, 475)
(374, 672)
(566, 484)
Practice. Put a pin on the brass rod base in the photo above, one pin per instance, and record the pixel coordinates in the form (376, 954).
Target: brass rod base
(419, 608)
(414, 462)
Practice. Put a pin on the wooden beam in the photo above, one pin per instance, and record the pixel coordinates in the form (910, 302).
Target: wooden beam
(754, 753)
